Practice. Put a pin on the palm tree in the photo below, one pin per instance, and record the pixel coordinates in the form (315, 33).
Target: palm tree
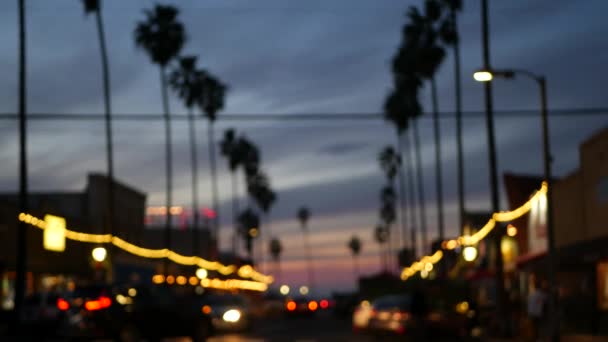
(162, 36)
(387, 216)
(303, 216)
(265, 198)
(212, 102)
(249, 223)
(397, 107)
(94, 6)
(185, 81)
(449, 35)
(381, 236)
(276, 248)
(390, 163)
(354, 244)
(431, 56)
(229, 148)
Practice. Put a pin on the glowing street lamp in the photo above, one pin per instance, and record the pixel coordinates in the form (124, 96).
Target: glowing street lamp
(201, 273)
(284, 289)
(483, 76)
(99, 254)
(304, 290)
(469, 253)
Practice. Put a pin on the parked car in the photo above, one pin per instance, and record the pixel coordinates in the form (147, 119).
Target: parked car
(228, 312)
(129, 314)
(361, 316)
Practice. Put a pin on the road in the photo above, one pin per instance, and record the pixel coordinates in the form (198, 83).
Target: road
(323, 328)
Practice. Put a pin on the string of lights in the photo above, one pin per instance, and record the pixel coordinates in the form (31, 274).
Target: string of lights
(469, 240)
(215, 283)
(245, 271)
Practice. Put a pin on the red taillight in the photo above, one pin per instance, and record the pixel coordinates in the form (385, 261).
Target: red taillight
(62, 304)
(101, 303)
(324, 304)
(312, 305)
(291, 305)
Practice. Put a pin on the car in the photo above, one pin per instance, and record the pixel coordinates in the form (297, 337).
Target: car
(301, 306)
(361, 316)
(131, 313)
(228, 312)
(389, 314)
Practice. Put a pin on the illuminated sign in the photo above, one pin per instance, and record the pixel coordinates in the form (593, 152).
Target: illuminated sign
(54, 234)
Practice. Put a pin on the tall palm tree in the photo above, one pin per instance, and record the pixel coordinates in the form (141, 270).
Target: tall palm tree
(231, 150)
(431, 56)
(397, 108)
(265, 197)
(390, 163)
(354, 244)
(186, 82)
(94, 6)
(214, 93)
(249, 223)
(303, 216)
(162, 36)
(387, 217)
(449, 35)
(276, 248)
(21, 267)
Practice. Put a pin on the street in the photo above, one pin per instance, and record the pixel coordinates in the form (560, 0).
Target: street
(318, 329)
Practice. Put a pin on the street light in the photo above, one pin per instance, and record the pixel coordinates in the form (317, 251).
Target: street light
(469, 253)
(99, 254)
(542, 85)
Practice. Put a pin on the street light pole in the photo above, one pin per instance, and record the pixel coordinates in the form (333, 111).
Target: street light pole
(498, 264)
(486, 76)
(553, 295)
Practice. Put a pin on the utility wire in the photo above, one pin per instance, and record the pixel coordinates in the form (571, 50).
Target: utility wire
(525, 113)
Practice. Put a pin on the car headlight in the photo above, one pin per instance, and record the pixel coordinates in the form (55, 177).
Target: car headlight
(232, 316)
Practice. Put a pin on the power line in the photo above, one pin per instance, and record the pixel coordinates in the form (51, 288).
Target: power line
(525, 113)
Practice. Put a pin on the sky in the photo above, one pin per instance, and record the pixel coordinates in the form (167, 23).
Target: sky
(293, 57)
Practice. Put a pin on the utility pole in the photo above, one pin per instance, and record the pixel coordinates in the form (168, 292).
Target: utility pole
(498, 265)
(21, 268)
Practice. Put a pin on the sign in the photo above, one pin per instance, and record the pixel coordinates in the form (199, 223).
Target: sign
(54, 233)
(537, 226)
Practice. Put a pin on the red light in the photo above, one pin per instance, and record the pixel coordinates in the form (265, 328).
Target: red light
(209, 213)
(312, 305)
(62, 304)
(291, 306)
(324, 304)
(101, 303)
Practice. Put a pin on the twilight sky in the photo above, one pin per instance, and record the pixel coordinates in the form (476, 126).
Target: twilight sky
(289, 57)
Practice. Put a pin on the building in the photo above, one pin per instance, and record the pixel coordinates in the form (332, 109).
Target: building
(580, 222)
(85, 211)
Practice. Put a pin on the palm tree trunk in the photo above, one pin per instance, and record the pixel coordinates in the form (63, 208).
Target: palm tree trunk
(311, 276)
(21, 267)
(420, 179)
(356, 266)
(408, 167)
(402, 195)
(194, 164)
(235, 211)
(438, 172)
(460, 153)
(216, 222)
(108, 121)
(168, 163)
